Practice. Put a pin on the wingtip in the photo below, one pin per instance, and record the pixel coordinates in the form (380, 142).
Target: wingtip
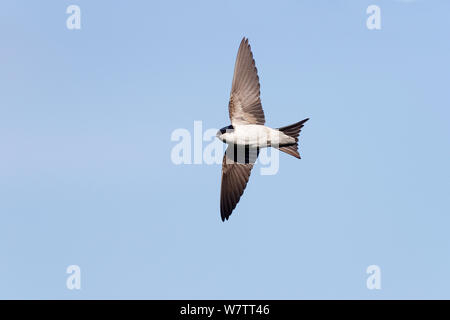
(223, 215)
(244, 40)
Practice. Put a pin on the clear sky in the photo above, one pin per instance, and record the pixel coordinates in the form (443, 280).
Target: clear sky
(86, 176)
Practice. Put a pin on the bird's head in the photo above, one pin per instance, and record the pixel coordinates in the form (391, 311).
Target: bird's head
(222, 133)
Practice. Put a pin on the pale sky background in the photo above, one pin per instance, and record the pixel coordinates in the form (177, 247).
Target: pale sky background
(85, 171)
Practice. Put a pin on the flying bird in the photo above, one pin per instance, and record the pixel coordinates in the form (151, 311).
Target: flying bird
(247, 133)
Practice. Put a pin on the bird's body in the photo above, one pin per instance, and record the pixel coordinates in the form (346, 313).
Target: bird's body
(247, 133)
(256, 136)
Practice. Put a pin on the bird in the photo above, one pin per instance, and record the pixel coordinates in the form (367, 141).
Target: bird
(247, 133)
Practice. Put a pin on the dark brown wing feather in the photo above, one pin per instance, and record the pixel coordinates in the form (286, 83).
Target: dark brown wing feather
(245, 104)
(235, 176)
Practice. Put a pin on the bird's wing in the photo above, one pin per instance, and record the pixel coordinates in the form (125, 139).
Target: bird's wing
(236, 170)
(245, 105)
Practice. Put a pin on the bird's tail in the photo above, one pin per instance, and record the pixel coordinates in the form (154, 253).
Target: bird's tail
(293, 131)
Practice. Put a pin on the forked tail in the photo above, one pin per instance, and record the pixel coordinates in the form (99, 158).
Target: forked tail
(293, 131)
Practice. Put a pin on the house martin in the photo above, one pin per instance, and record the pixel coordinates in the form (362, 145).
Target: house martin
(247, 133)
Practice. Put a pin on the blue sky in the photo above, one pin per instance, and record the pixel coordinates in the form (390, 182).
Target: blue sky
(86, 176)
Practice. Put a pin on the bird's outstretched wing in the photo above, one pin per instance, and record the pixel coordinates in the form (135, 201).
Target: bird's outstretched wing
(236, 167)
(245, 105)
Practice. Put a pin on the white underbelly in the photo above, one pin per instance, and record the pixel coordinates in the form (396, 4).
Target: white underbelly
(257, 136)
